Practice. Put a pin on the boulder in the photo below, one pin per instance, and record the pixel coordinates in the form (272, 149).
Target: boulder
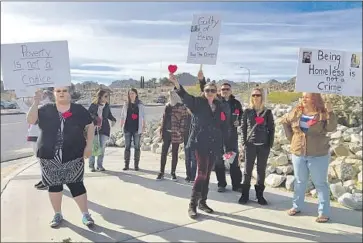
(352, 201)
(337, 190)
(275, 180)
(279, 160)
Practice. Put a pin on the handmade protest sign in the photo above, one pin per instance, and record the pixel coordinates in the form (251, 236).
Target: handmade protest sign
(29, 66)
(204, 39)
(329, 72)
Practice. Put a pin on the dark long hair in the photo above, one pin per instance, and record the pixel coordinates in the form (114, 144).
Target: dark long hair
(128, 96)
(98, 96)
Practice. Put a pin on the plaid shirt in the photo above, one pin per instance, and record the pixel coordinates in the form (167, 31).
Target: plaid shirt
(178, 116)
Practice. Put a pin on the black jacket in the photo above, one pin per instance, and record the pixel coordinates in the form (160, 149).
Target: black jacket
(263, 133)
(106, 115)
(210, 130)
(233, 105)
(74, 141)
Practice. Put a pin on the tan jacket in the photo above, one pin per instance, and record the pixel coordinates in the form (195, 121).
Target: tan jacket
(314, 142)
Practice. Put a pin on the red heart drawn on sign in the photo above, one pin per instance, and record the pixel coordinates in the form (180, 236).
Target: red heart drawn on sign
(172, 68)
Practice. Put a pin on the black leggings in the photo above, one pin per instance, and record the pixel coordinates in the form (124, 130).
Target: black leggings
(261, 152)
(164, 153)
(77, 188)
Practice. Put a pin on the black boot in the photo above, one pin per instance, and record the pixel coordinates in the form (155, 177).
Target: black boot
(203, 202)
(192, 211)
(127, 159)
(245, 194)
(137, 159)
(259, 194)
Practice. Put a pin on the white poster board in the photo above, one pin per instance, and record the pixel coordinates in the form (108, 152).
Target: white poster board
(329, 72)
(30, 66)
(204, 39)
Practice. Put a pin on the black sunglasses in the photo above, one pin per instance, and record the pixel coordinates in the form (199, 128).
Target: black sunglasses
(63, 90)
(210, 91)
(256, 95)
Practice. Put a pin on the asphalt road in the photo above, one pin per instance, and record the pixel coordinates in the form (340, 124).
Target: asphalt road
(14, 131)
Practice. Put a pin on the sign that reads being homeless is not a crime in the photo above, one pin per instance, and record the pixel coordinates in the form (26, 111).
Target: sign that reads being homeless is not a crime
(29, 66)
(329, 72)
(204, 39)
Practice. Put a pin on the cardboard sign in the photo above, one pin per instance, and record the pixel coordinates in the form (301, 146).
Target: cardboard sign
(29, 66)
(329, 72)
(204, 39)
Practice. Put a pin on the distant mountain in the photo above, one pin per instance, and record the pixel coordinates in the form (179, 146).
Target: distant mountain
(130, 83)
(187, 79)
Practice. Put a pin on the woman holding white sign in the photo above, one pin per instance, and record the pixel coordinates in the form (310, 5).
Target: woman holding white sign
(62, 147)
(209, 129)
(306, 127)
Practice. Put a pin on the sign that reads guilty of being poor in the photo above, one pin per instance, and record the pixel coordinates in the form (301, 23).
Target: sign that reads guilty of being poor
(204, 39)
(329, 72)
(28, 66)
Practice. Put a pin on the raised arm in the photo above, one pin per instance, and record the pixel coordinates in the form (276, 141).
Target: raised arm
(201, 80)
(189, 101)
(286, 124)
(32, 116)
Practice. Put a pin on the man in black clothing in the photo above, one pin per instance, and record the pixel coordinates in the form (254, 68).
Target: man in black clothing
(236, 111)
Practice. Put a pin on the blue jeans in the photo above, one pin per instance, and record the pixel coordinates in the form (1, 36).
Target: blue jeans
(103, 140)
(318, 169)
(136, 138)
(190, 163)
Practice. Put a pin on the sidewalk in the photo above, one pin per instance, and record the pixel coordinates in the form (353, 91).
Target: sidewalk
(133, 207)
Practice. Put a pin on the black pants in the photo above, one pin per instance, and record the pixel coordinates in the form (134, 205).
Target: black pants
(164, 153)
(261, 152)
(77, 188)
(234, 170)
(205, 165)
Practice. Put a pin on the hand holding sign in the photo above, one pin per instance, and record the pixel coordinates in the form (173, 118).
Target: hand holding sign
(328, 106)
(172, 68)
(38, 96)
(200, 75)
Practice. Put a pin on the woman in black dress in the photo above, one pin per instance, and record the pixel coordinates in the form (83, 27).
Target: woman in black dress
(209, 132)
(62, 147)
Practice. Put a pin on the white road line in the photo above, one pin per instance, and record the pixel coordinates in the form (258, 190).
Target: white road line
(6, 124)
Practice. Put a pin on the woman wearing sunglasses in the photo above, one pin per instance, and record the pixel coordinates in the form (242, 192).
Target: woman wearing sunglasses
(258, 131)
(209, 129)
(101, 113)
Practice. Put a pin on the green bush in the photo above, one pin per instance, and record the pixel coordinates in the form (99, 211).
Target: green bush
(283, 97)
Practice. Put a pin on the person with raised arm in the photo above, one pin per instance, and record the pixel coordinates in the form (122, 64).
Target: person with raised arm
(306, 127)
(62, 148)
(210, 130)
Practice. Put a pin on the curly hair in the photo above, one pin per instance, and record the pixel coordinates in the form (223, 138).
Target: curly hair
(318, 104)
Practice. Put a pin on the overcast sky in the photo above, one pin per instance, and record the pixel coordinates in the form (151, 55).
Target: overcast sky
(109, 41)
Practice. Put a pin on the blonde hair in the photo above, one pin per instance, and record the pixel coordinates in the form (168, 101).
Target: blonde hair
(210, 84)
(174, 98)
(263, 98)
(100, 93)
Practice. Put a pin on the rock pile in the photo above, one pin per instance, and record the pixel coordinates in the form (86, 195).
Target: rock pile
(345, 169)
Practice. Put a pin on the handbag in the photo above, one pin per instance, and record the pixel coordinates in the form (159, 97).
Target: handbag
(97, 147)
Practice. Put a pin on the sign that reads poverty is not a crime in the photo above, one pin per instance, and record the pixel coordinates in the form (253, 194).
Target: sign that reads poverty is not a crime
(204, 39)
(329, 72)
(29, 66)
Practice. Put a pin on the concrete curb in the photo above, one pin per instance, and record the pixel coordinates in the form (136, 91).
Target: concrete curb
(12, 113)
(6, 180)
(16, 157)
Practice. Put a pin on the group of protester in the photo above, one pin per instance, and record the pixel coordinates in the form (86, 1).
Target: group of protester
(206, 124)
